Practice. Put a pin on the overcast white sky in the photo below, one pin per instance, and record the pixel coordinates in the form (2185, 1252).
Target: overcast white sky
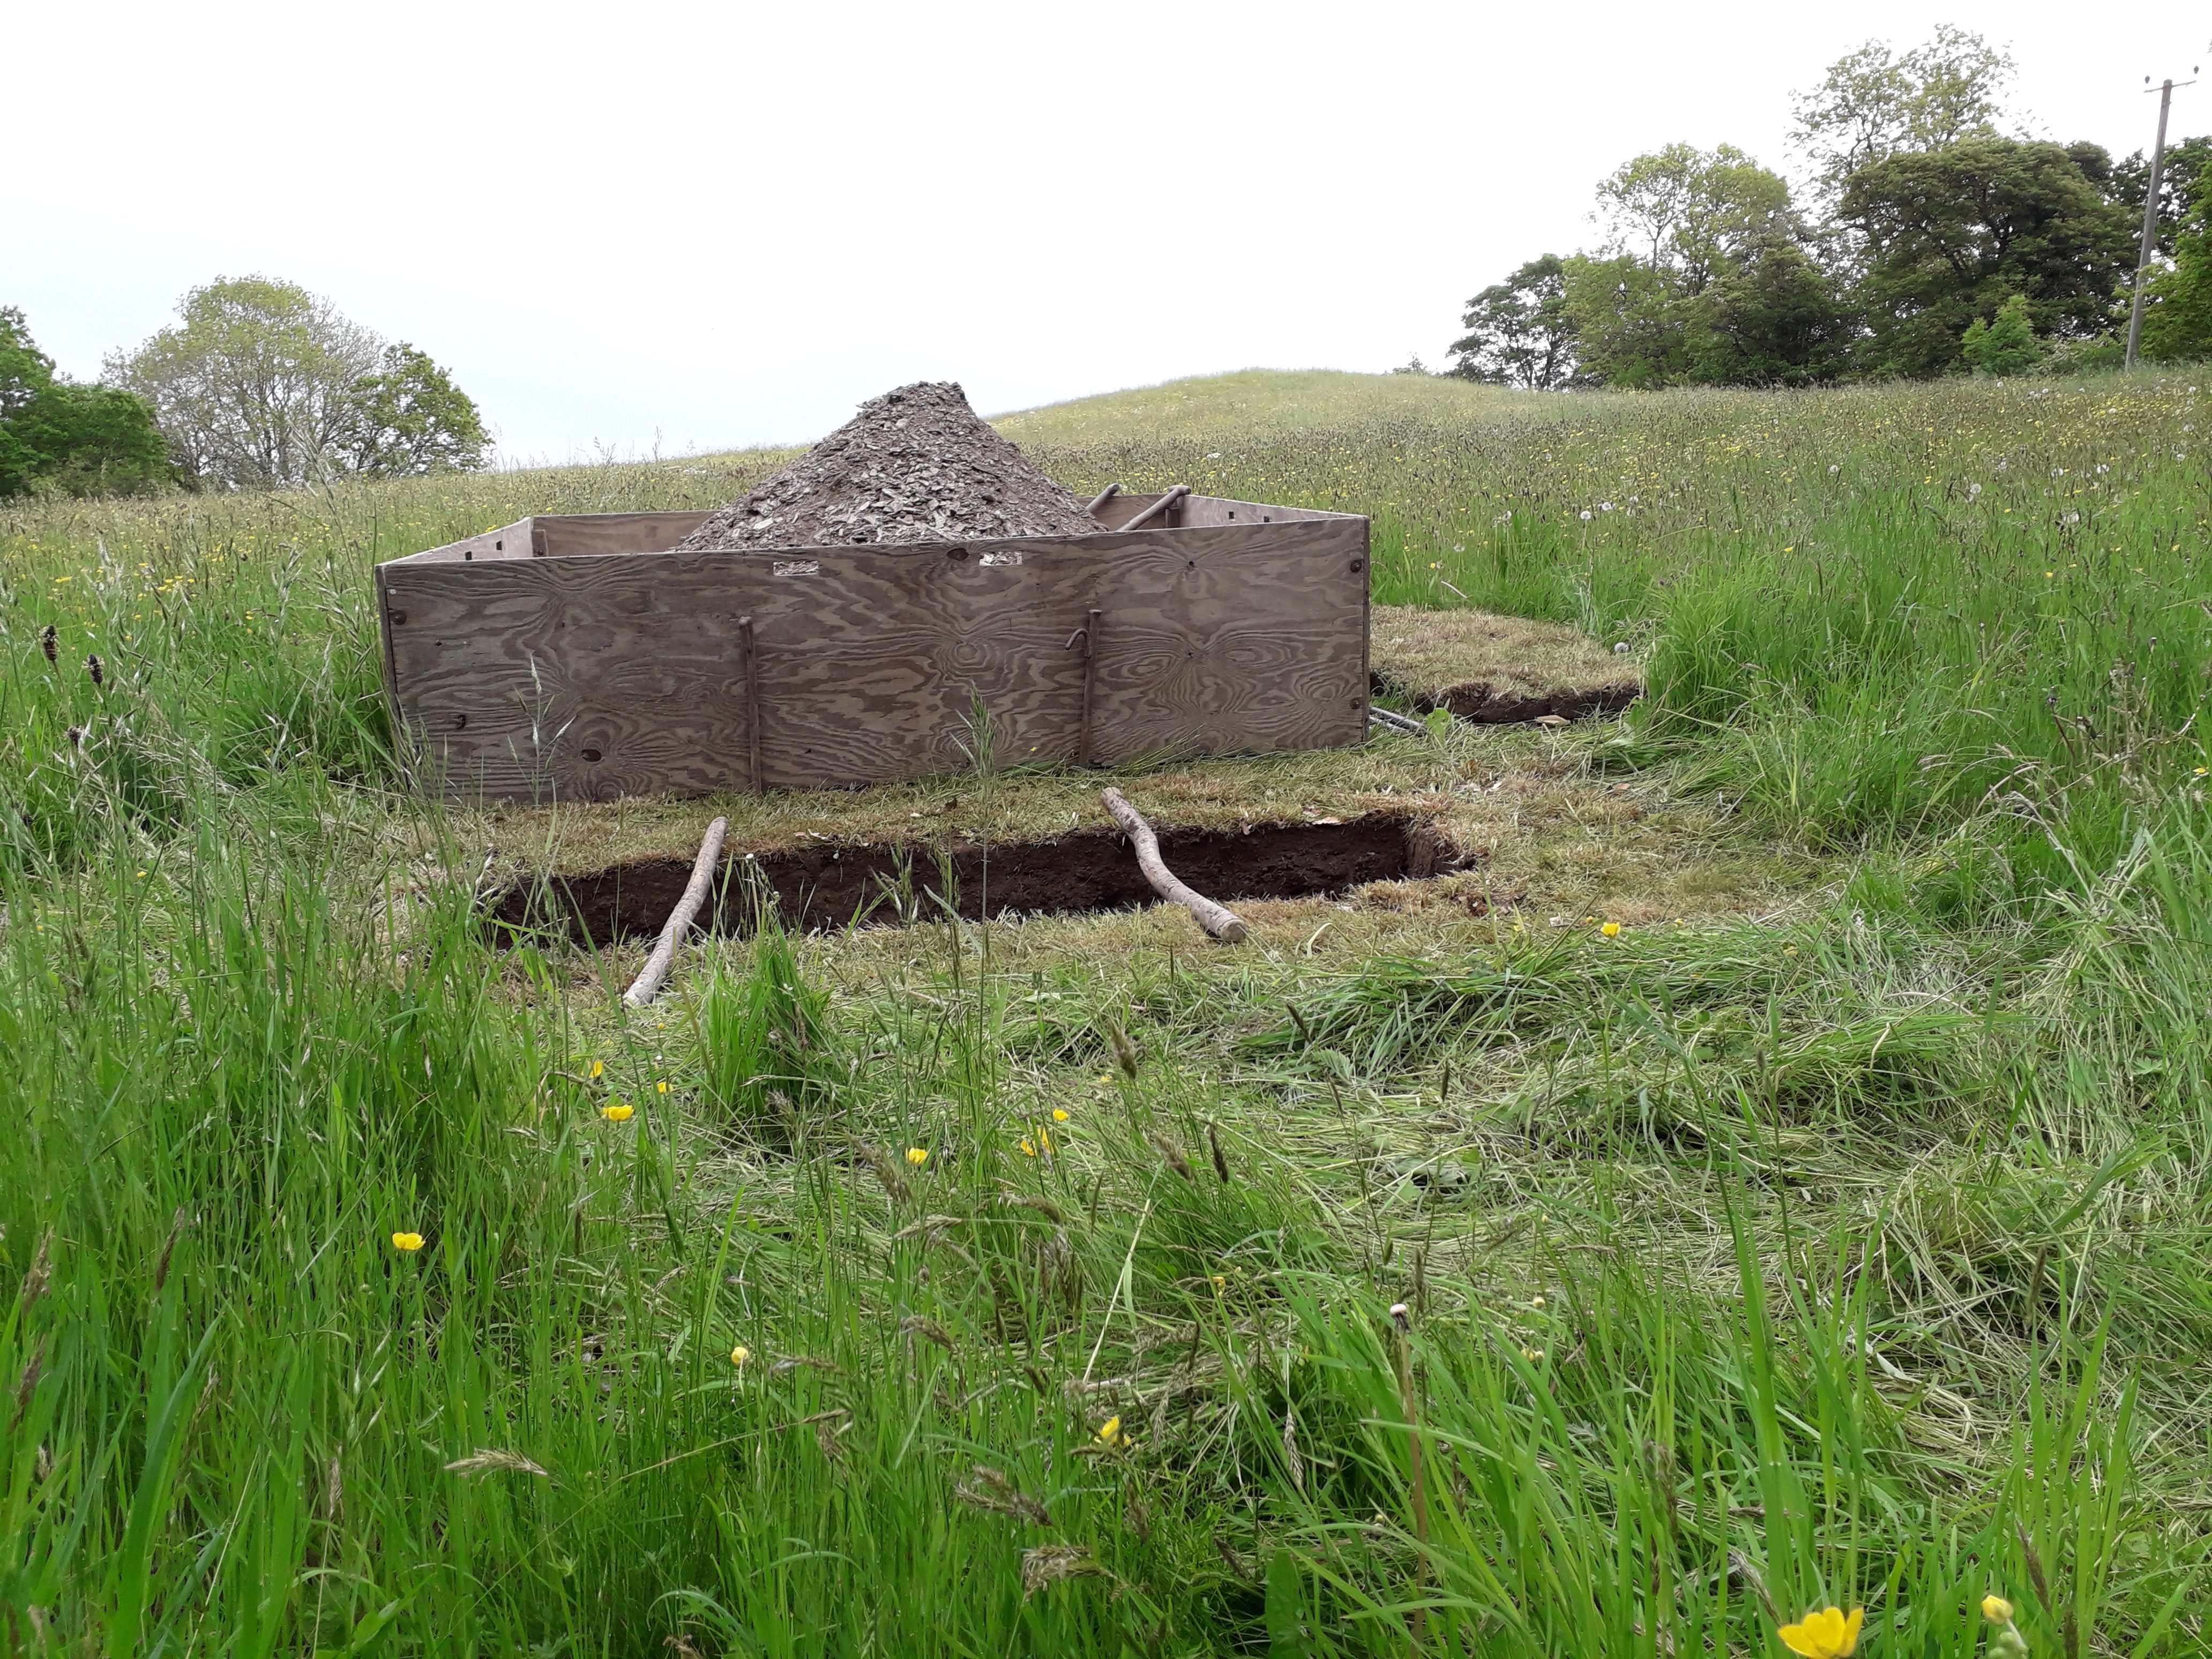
(697, 226)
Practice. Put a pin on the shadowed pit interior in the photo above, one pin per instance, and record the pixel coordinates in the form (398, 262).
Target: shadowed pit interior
(828, 885)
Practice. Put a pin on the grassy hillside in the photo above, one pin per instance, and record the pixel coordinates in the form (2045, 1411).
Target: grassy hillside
(1771, 1175)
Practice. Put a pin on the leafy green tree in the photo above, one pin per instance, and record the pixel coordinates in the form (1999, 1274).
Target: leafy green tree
(1950, 234)
(253, 388)
(1691, 213)
(1518, 331)
(2178, 324)
(1706, 277)
(57, 436)
(410, 417)
(1631, 324)
(2006, 344)
(264, 386)
(91, 440)
(25, 371)
(1874, 103)
(2177, 186)
(1773, 317)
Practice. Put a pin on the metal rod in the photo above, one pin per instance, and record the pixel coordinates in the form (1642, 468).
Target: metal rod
(752, 705)
(1157, 507)
(1102, 497)
(1089, 656)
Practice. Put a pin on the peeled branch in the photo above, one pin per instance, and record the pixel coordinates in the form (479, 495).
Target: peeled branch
(654, 974)
(1218, 920)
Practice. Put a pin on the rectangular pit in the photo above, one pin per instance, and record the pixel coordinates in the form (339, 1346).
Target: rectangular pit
(829, 886)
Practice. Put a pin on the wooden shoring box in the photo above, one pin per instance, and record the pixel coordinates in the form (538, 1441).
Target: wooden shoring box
(573, 658)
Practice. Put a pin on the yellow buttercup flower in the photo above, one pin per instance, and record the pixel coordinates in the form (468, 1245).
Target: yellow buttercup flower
(1059, 1114)
(1611, 930)
(1109, 1432)
(1029, 1148)
(1996, 1609)
(917, 1156)
(1828, 1634)
(599, 1070)
(617, 1113)
(660, 1087)
(407, 1240)
(739, 1354)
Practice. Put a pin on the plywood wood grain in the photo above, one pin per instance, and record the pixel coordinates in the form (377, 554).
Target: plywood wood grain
(585, 676)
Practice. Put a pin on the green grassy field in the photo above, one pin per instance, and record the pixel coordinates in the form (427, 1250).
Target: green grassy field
(1832, 1229)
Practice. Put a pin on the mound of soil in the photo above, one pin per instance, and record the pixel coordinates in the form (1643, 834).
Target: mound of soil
(915, 464)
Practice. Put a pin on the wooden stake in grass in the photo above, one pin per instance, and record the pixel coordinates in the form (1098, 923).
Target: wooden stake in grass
(1217, 918)
(651, 977)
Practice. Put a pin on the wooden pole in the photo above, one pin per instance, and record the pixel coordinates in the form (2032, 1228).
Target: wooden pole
(1157, 507)
(752, 705)
(2150, 224)
(654, 974)
(1102, 497)
(1089, 674)
(1218, 920)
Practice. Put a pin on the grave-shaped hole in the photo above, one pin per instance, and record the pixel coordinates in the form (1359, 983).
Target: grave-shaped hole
(830, 885)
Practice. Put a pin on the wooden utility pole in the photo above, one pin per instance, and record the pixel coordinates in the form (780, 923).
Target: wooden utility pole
(2150, 216)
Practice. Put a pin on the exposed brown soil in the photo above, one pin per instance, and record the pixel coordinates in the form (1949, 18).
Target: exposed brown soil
(915, 464)
(830, 885)
(1488, 703)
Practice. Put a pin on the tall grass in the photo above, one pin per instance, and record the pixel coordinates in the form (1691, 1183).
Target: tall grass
(1893, 605)
(1743, 1268)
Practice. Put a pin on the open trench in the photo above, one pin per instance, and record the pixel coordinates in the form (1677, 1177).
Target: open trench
(828, 886)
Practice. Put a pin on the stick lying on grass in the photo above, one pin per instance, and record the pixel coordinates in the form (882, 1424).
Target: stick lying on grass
(1216, 920)
(650, 978)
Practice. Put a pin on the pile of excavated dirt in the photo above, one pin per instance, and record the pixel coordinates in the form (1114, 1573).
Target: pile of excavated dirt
(915, 464)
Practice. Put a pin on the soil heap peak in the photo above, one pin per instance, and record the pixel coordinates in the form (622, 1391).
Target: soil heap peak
(915, 464)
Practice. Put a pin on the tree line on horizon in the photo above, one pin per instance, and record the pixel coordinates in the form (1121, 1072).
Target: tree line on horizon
(1929, 242)
(260, 385)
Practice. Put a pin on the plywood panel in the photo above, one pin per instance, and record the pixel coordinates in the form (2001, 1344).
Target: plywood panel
(1217, 509)
(509, 541)
(572, 535)
(590, 677)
